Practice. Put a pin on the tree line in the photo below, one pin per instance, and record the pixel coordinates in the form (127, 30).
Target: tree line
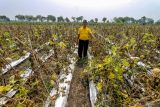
(50, 18)
(40, 18)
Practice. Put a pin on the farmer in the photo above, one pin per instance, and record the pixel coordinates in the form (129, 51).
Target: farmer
(84, 34)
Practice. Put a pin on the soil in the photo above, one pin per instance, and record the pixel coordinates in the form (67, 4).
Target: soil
(79, 93)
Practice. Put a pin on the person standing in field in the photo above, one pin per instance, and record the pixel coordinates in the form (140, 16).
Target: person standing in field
(84, 35)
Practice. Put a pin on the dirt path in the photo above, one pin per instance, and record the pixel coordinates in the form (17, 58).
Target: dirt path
(79, 94)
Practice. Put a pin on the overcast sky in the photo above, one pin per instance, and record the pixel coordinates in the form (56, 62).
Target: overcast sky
(90, 9)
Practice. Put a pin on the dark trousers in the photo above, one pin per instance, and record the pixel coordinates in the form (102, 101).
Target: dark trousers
(82, 48)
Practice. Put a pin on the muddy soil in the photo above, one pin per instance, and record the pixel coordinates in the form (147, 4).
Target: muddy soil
(79, 93)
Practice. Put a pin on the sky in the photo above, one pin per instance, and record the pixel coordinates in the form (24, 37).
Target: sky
(90, 9)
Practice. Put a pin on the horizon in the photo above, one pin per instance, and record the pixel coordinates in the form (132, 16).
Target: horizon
(89, 9)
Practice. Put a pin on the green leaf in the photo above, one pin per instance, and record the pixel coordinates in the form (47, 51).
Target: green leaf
(111, 75)
(126, 46)
(118, 69)
(35, 83)
(99, 65)
(108, 59)
(5, 88)
(19, 105)
(51, 42)
(22, 72)
(99, 86)
(6, 34)
(54, 77)
(52, 82)
(120, 77)
(125, 63)
(114, 50)
(62, 45)
(12, 80)
(132, 41)
(23, 91)
(54, 37)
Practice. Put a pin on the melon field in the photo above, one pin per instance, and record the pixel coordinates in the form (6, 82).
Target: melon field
(38, 66)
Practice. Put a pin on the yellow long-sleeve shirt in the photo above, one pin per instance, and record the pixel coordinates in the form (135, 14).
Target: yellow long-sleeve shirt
(84, 33)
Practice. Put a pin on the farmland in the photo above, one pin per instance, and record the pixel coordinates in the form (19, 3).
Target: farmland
(37, 64)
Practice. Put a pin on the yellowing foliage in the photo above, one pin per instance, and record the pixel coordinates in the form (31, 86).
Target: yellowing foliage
(5, 88)
(156, 72)
(111, 75)
(62, 45)
(99, 86)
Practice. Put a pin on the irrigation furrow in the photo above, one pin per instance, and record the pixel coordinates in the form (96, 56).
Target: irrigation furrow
(64, 86)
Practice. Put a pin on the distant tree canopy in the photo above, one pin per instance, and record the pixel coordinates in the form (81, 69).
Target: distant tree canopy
(96, 20)
(130, 20)
(60, 19)
(67, 20)
(104, 19)
(4, 19)
(73, 18)
(158, 22)
(92, 21)
(50, 18)
(144, 20)
(80, 18)
(125, 20)
(20, 17)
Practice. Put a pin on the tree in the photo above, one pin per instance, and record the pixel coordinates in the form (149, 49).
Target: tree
(43, 18)
(144, 20)
(73, 18)
(124, 20)
(17, 17)
(104, 19)
(96, 20)
(80, 18)
(118, 19)
(77, 19)
(39, 17)
(92, 21)
(20, 17)
(4, 19)
(34, 19)
(67, 20)
(60, 19)
(51, 18)
(158, 22)
(128, 20)
(132, 20)
(150, 21)
(29, 18)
